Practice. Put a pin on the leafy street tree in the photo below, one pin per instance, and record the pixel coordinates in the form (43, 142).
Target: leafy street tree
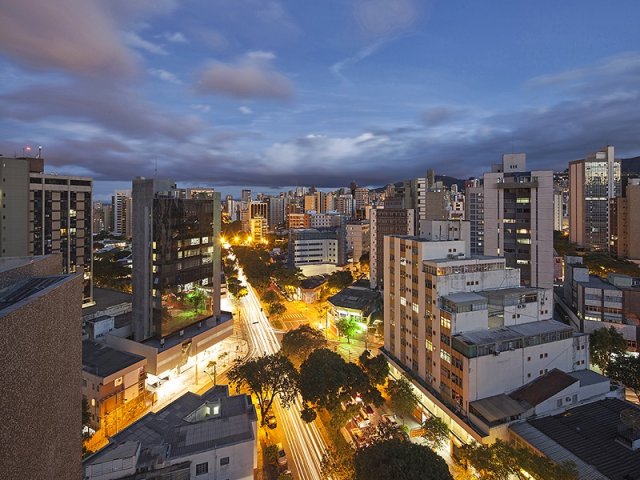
(340, 415)
(347, 327)
(297, 344)
(436, 432)
(327, 381)
(403, 399)
(288, 277)
(502, 461)
(396, 459)
(270, 297)
(626, 370)
(376, 367)
(236, 288)
(605, 343)
(277, 309)
(268, 377)
(340, 279)
(337, 465)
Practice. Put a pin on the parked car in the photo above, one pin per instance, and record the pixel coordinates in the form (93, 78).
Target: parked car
(282, 456)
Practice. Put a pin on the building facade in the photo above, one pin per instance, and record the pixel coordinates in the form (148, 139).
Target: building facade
(624, 222)
(358, 237)
(122, 213)
(474, 212)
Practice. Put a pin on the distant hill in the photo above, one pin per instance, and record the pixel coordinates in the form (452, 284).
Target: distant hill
(631, 165)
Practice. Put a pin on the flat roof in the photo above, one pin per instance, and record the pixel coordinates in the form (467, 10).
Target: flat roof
(502, 334)
(505, 292)
(313, 282)
(101, 360)
(590, 433)
(23, 290)
(463, 298)
(355, 297)
(498, 407)
(189, 332)
(588, 377)
(9, 263)
(105, 298)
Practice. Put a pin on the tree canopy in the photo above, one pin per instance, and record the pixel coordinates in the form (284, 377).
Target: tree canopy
(605, 344)
(376, 367)
(435, 432)
(626, 370)
(403, 399)
(347, 327)
(276, 308)
(298, 343)
(268, 377)
(340, 279)
(396, 459)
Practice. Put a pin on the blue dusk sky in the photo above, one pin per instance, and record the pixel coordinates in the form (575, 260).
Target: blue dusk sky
(270, 94)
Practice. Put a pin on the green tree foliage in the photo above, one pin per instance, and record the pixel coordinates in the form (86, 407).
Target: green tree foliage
(341, 415)
(347, 327)
(254, 262)
(376, 367)
(403, 399)
(435, 432)
(337, 465)
(270, 296)
(340, 279)
(626, 370)
(109, 273)
(396, 459)
(604, 344)
(268, 377)
(196, 299)
(327, 381)
(288, 277)
(502, 461)
(297, 344)
(277, 309)
(236, 288)
(308, 414)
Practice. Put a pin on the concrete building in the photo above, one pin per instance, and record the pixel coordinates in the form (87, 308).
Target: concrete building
(557, 211)
(99, 220)
(345, 204)
(47, 214)
(474, 212)
(329, 202)
(310, 203)
(298, 220)
(624, 222)
(259, 229)
(258, 209)
(593, 182)
(326, 220)
(309, 248)
(122, 213)
(439, 230)
(40, 312)
(356, 302)
(387, 220)
(361, 197)
(358, 237)
(275, 216)
(245, 196)
(518, 218)
(176, 257)
(463, 329)
(113, 383)
(209, 436)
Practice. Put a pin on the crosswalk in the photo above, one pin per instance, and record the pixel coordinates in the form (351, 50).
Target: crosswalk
(293, 316)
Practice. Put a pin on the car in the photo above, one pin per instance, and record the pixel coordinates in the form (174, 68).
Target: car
(270, 421)
(282, 456)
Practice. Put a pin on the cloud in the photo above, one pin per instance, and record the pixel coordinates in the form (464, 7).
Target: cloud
(175, 37)
(245, 110)
(76, 37)
(378, 18)
(136, 41)
(367, 51)
(252, 76)
(441, 114)
(164, 75)
(201, 107)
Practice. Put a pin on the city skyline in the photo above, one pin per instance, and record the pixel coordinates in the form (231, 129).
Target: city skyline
(375, 91)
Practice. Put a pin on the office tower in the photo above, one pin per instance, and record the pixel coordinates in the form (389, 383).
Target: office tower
(465, 333)
(474, 212)
(389, 220)
(40, 328)
(624, 222)
(44, 214)
(518, 218)
(275, 215)
(176, 258)
(593, 182)
(121, 202)
(245, 196)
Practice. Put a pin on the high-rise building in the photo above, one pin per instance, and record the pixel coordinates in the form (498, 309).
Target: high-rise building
(41, 354)
(176, 258)
(389, 220)
(330, 202)
(258, 229)
(345, 204)
(358, 238)
(593, 182)
(298, 220)
(557, 211)
(314, 248)
(45, 214)
(99, 223)
(624, 222)
(474, 212)
(518, 218)
(121, 202)
(246, 196)
(275, 215)
(310, 203)
(361, 196)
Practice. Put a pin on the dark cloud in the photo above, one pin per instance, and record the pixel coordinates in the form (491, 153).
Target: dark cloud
(73, 36)
(441, 114)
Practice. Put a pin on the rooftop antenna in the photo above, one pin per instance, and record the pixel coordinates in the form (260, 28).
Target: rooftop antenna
(39, 152)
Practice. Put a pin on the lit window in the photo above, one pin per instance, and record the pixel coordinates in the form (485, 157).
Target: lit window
(446, 356)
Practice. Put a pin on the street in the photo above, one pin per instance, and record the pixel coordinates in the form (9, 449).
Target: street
(305, 445)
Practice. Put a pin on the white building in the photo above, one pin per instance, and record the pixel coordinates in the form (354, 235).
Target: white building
(358, 239)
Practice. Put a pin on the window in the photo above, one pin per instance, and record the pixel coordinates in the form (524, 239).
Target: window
(559, 403)
(224, 461)
(202, 468)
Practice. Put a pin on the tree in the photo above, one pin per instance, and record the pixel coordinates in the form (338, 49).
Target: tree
(340, 279)
(347, 327)
(337, 465)
(436, 432)
(604, 344)
(288, 277)
(327, 381)
(277, 308)
(270, 297)
(403, 399)
(341, 415)
(396, 459)
(626, 370)
(300, 342)
(268, 377)
(376, 367)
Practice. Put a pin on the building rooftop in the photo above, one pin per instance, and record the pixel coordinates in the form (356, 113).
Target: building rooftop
(588, 377)
(355, 298)
(186, 426)
(101, 360)
(23, 290)
(313, 282)
(590, 434)
(514, 332)
(105, 298)
(465, 298)
(189, 332)
(498, 408)
(544, 387)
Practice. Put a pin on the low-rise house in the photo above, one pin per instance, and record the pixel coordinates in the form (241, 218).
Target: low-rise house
(309, 289)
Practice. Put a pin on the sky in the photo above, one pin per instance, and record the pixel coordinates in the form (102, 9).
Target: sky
(271, 94)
